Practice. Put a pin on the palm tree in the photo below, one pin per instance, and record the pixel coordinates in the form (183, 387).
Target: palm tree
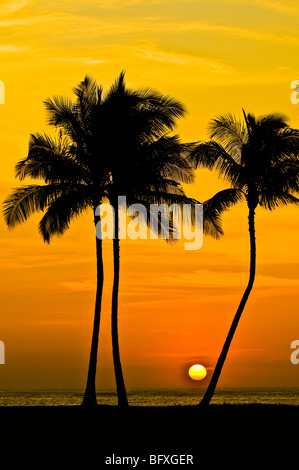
(83, 167)
(258, 158)
(145, 164)
(148, 166)
(106, 146)
(73, 181)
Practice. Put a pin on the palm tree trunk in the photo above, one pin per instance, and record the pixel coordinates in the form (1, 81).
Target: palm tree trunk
(90, 391)
(120, 384)
(217, 371)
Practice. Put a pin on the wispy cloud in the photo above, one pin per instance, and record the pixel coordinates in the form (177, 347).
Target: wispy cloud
(10, 6)
(86, 285)
(290, 7)
(23, 21)
(78, 60)
(157, 55)
(95, 26)
(11, 48)
(104, 4)
(284, 7)
(239, 32)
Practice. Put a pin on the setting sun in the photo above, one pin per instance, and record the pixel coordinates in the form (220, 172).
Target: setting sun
(197, 372)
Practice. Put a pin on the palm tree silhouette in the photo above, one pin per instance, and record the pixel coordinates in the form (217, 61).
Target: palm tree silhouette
(106, 146)
(146, 166)
(258, 158)
(74, 181)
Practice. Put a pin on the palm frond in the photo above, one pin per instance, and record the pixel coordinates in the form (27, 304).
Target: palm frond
(88, 91)
(52, 160)
(63, 113)
(214, 207)
(273, 121)
(230, 133)
(26, 200)
(213, 156)
(277, 199)
(149, 112)
(167, 156)
(61, 211)
(118, 87)
(165, 110)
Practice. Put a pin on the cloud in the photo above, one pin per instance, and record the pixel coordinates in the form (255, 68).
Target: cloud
(23, 21)
(86, 285)
(236, 31)
(78, 60)
(104, 4)
(10, 48)
(180, 59)
(280, 270)
(156, 24)
(290, 7)
(10, 6)
(96, 26)
(279, 6)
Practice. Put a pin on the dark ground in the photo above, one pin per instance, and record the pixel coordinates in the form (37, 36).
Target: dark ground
(141, 431)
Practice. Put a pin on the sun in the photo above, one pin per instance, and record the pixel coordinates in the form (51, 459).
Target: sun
(197, 372)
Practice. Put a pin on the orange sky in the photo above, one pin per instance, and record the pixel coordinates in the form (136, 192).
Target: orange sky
(175, 306)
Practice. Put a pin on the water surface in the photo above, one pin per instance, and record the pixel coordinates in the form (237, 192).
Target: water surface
(162, 397)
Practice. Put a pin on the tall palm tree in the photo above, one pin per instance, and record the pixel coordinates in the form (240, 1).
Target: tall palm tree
(144, 163)
(258, 158)
(73, 181)
(148, 166)
(81, 168)
(106, 146)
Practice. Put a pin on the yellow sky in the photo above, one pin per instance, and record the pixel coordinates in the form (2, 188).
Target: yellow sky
(175, 306)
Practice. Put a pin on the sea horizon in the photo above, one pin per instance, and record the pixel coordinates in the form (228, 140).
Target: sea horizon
(154, 397)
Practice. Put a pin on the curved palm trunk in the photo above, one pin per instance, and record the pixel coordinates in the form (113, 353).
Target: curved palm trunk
(120, 384)
(90, 391)
(217, 371)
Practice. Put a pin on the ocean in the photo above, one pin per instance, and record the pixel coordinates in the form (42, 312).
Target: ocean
(162, 397)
